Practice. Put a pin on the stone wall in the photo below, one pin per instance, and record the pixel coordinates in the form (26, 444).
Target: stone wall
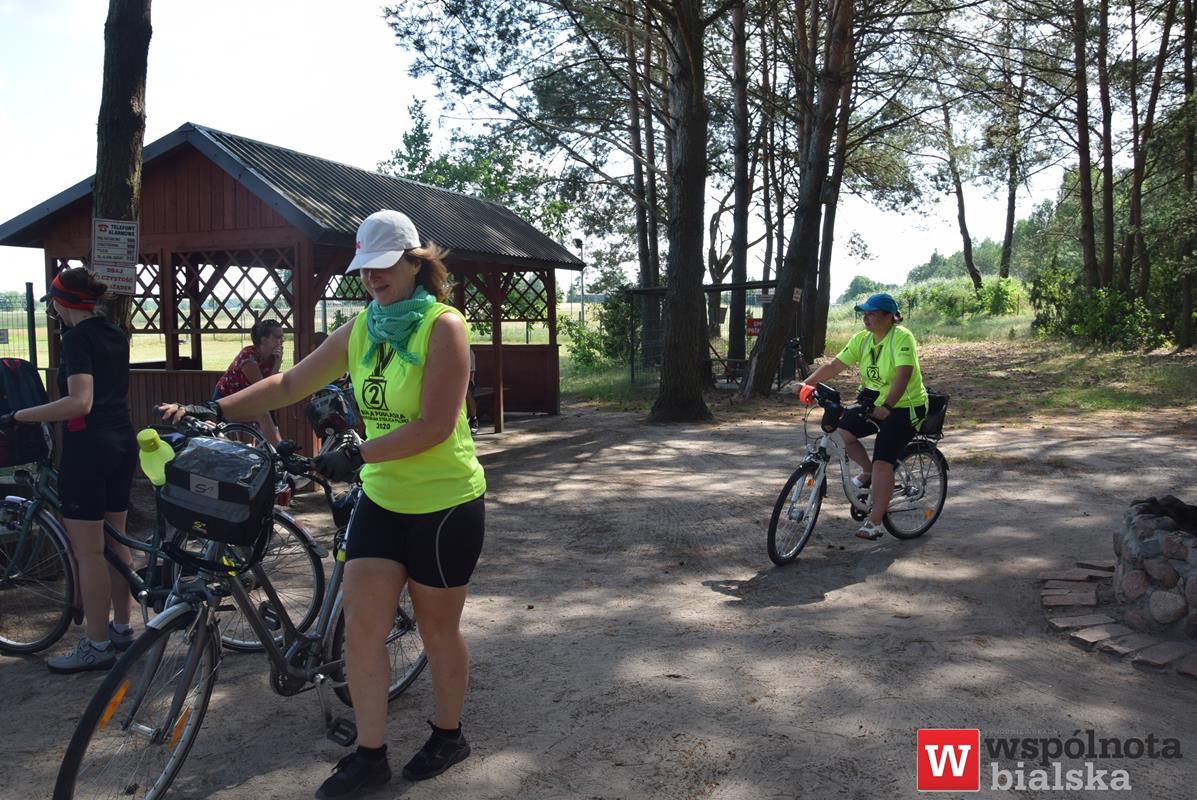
(1155, 579)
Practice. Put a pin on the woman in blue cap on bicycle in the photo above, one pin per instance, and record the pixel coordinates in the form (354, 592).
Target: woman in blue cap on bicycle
(889, 365)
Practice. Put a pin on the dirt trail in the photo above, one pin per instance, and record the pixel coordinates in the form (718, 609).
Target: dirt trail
(631, 639)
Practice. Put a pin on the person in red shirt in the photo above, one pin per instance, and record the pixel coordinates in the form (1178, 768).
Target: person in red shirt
(255, 362)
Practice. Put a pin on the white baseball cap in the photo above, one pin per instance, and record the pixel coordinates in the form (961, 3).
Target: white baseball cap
(382, 239)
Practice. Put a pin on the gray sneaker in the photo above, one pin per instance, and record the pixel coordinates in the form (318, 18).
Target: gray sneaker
(120, 641)
(84, 657)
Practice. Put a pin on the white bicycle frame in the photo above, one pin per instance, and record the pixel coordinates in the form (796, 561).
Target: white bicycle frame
(831, 445)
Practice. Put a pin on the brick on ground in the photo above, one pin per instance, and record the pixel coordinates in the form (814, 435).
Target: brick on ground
(1082, 585)
(1088, 637)
(1072, 599)
(1188, 666)
(1125, 645)
(1081, 621)
(1161, 655)
(1076, 574)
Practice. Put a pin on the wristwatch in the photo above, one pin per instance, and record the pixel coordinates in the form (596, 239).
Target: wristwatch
(354, 454)
(888, 407)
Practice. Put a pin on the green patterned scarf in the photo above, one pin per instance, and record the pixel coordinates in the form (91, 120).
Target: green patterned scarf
(395, 323)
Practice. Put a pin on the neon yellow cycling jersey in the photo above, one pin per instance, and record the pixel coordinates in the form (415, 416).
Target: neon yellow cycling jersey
(388, 396)
(879, 362)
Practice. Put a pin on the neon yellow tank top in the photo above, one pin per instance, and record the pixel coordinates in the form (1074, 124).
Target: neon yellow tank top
(388, 396)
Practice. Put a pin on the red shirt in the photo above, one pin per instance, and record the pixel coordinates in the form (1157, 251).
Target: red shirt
(233, 380)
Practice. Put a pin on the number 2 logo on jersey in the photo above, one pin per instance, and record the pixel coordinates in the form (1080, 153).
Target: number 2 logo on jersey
(873, 373)
(374, 393)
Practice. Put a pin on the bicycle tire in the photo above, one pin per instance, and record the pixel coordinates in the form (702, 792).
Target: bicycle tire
(112, 753)
(295, 570)
(37, 580)
(407, 661)
(920, 490)
(802, 494)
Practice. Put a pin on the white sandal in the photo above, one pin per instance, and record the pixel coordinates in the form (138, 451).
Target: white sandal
(862, 481)
(869, 530)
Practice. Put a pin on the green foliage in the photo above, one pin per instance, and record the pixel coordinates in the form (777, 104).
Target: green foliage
(339, 319)
(585, 345)
(955, 299)
(607, 345)
(861, 287)
(1104, 317)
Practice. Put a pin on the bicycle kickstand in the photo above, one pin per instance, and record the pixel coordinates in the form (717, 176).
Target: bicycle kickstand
(339, 729)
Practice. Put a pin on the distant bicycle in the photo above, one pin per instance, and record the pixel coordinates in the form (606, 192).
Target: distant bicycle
(920, 480)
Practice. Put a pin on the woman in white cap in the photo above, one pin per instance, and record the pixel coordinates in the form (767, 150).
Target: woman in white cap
(889, 365)
(421, 520)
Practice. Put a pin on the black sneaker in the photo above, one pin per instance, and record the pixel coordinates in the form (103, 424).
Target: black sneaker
(441, 751)
(353, 775)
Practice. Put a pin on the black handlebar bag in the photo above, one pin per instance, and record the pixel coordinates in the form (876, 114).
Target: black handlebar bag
(221, 491)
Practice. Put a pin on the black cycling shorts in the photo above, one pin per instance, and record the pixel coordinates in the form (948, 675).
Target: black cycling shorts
(438, 549)
(893, 433)
(96, 472)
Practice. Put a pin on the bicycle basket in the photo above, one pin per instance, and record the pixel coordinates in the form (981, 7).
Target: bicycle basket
(937, 410)
(219, 490)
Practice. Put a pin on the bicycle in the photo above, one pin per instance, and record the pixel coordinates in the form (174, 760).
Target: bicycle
(136, 732)
(39, 590)
(920, 480)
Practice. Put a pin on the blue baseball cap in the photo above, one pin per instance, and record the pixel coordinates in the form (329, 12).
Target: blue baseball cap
(879, 302)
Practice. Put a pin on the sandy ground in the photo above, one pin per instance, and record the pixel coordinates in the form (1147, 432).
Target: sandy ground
(631, 638)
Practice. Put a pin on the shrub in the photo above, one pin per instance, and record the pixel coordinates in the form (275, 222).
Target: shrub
(1103, 317)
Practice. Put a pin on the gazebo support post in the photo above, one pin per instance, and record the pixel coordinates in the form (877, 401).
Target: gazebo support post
(494, 281)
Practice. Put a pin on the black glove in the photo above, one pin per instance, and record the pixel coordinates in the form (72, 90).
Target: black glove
(204, 412)
(341, 463)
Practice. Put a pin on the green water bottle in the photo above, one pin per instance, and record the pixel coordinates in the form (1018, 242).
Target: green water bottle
(153, 454)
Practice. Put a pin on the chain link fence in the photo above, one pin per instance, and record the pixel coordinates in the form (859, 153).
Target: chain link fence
(18, 336)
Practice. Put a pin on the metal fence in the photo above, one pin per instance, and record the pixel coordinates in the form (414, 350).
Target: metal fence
(648, 329)
(18, 336)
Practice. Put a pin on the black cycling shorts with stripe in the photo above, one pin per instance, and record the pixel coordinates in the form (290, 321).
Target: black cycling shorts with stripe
(438, 549)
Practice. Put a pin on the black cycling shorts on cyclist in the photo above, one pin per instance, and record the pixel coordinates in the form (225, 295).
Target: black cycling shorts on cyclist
(888, 357)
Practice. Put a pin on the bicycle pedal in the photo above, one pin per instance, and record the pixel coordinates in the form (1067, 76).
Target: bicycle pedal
(342, 731)
(270, 616)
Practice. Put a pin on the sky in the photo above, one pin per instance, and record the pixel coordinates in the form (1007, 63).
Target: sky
(324, 78)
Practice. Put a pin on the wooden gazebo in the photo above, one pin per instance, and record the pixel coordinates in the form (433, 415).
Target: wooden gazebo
(229, 223)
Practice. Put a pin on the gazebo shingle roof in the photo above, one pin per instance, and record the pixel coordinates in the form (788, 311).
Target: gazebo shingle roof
(327, 200)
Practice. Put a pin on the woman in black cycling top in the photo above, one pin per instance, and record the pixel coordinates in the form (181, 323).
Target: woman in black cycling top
(93, 388)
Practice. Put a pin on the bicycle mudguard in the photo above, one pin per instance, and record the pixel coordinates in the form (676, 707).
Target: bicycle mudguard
(924, 446)
(168, 614)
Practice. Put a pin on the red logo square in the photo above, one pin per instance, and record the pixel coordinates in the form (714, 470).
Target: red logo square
(949, 760)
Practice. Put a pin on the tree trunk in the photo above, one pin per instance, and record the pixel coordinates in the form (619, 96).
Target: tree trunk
(1015, 100)
(679, 398)
(743, 184)
(823, 301)
(958, 187)
(1184, 339)
(1140, 167)
(767, 155)
(1107, 146)
(1011, 210)
(1084, 158)
(635, 134)
(121, 125)
(650, 157)
(801, 255)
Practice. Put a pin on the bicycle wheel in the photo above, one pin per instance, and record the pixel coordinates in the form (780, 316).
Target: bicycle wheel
(920, 489)
(37, 580)
(404, 649)
(295, 570)
(795, 514)
(128, 744)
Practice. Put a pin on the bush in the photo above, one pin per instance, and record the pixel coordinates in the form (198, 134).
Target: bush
(1103, 317)
(585, 346)
(956, 298)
